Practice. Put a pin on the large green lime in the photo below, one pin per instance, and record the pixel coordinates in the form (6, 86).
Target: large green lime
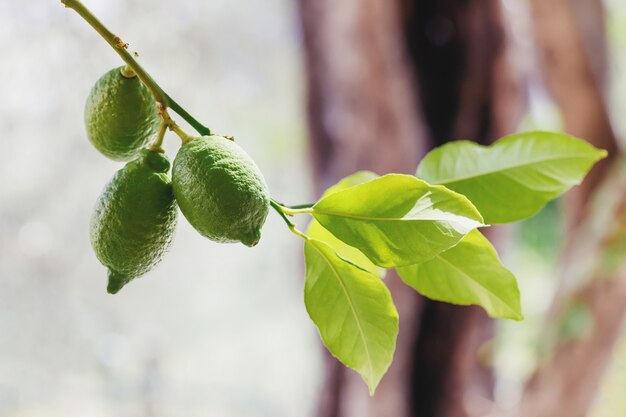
(120, 115)
(135, 218)
(220, 190)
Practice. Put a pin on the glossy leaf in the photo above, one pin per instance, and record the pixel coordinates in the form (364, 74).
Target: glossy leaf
(357, 178)
(352, 310)
(515, 177)
(397, 220)
(317, 231)
(469, 273)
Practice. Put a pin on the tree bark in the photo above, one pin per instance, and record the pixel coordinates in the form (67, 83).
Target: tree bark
(566, 383)
(362, 102)
(363, 114)
(469, 91)
(572, 56)
(572, 50)
(387, 80)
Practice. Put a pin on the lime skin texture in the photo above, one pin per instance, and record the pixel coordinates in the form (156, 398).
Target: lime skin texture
(134, 221)
(120, 115)
(220, 190)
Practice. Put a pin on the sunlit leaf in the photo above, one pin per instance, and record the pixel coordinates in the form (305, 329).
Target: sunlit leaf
(397, 220)
(357, 178)
(469, 273)
(352, 310)
(317, 231)
(516, 176)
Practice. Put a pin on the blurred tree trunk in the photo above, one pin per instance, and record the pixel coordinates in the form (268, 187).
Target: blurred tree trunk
(572, 51)
(571, 44)
(363, 114)
(388, 80)
(468, 91)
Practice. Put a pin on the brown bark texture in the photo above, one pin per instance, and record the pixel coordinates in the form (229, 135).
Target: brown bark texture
(468, 91)
(571, 45)
(388, 80)
(566, 383)
(362, 115)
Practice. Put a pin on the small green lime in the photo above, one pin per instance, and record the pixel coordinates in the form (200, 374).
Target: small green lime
(220, 190)
(120, 115)
(134, 220)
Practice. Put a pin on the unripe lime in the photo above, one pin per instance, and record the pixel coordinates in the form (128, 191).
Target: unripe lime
(220, 190)
(134, 220)
(120, 115)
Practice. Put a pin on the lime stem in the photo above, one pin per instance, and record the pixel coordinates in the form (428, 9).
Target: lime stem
(297, 232)
(157, 145)
(127, 72)
(184, 136)
(200, 128)
(297, 209)
(301, 206)
(292, 227)
(167, 121)
(120, 47)
(294, 211)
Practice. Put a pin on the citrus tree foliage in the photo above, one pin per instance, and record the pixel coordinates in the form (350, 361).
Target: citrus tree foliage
(425, 226)
(513, 178)
(428, 229)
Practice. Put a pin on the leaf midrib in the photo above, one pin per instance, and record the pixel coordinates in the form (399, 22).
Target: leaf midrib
(479, 284)
(511, 167)
(385, 219)
(350, 303)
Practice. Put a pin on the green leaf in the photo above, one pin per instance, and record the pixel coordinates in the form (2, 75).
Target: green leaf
(352, 310)
(397, 220)
(317, 231)
(469, 273)
(357, 178)
(515, 177)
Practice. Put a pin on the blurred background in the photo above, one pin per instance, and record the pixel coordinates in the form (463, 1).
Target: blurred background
(313, 90)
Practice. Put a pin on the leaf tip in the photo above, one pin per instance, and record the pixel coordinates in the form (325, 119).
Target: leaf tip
(602, 153)
(514, 314)
(372, 382)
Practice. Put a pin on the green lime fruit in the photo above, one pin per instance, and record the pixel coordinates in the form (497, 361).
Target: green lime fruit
(134, 220)
(220, 190)
(120, 115)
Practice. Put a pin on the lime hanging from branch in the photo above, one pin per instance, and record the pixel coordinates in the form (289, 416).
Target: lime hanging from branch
(120, 115)
(134, 221)
(220, 190)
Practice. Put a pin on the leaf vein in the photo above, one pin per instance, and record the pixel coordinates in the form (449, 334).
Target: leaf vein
(352, 308)
(475, 282)
(511, 167)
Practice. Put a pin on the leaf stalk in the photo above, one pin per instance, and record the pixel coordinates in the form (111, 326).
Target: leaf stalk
(280, 209)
